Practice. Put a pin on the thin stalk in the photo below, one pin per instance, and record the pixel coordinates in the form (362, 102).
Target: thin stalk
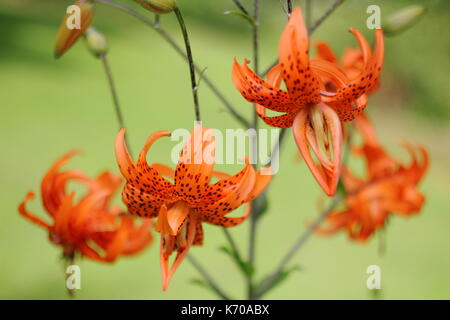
(289, 6)
(190, 62)
(180, 51)
(112, 87)
(232, 243)
(213, 285)
(302, 239)
(298, 244)
(312, 28)
(241, 7)
(256, 208)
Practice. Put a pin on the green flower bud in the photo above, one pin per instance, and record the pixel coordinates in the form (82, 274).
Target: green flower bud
(403, 19)
(96, 42)
(158, 6)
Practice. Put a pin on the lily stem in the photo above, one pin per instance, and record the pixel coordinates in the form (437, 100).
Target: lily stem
(241, 7)
(298, 244)
(117, 108)
(157, 27)
(269, 281)
(190, 62)
(255, 209)
(213, 285)
(289, 6)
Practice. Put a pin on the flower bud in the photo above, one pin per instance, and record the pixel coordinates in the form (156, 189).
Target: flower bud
(403, 19)
(75, 23)
(96, 42)
(158, 6)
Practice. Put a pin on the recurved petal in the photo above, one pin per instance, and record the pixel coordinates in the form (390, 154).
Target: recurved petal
(229, 194)
(226, 222)
(364, 83)
(193, 172)
(326, 173)
(256, 90)
(282, 121)
(30, 216)
(302, 84)
(123, 158)
(53, 191)
(140, 202)
(325, 52)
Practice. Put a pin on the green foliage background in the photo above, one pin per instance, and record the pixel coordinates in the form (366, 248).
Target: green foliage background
(49, 107)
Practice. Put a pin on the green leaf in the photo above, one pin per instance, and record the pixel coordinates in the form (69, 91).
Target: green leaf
(242, 15)
(244, 266)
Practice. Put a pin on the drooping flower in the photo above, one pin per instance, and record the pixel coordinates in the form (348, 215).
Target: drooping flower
(314, 112)
(389, 188)
(89, 226)
(73, 26)
(184, 198)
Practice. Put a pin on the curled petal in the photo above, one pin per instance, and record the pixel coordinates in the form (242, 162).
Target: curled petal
(325, 172)
(256, 90)
(195, 166)
(140, 202)
(123, 158)
(325, 52)
(302, 84)
(229, 194)
(227, 222)
(30, 216)
(364, 83)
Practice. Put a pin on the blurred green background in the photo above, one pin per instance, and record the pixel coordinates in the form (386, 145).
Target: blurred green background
(49, 107)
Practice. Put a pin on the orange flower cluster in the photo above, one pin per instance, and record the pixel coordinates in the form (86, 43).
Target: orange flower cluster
(389, 187)
(314, 112)
(183, 205)
(89, 226)
(321, 93)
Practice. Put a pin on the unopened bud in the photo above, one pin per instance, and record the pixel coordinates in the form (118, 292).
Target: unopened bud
(96, 42)
(158, 6)
(74, 25)
(403, 19)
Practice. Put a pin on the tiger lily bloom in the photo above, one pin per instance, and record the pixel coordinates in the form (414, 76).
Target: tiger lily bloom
(389, 188)
(77, 224)
(69, 32)
(182, 199)
(314, 112)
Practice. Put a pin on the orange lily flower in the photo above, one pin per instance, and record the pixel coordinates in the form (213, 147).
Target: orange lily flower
(314, 112)
(184, 204)
(77, 224)
(66, 37)
(389, 188)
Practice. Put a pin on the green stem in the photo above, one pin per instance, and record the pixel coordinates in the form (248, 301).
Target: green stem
(190, 62)
(117, 108)
(210, 281)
